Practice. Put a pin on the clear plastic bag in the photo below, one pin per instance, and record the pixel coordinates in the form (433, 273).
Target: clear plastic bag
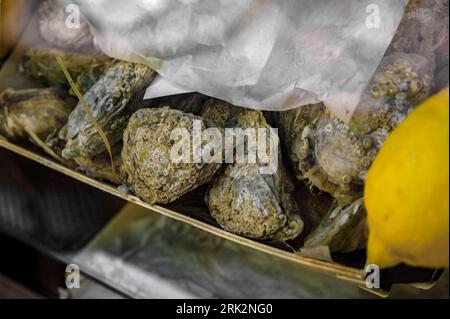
(270, 55)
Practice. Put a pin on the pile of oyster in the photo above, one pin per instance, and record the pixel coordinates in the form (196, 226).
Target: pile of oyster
(319, 154)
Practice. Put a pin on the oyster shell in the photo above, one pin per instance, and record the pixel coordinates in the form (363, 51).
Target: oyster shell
(218, 111)
(54, 30)
(255, 205)
(335, 157)
(343, 229)
(99, 166)
(151, 173)
(112, 100)
(85, 69)
(424, 30)
(406, 74)
(401, 82)
(41, 112)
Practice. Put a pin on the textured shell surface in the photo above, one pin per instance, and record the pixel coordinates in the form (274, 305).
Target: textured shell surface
(41, 64)
(112, 100)
(255, 205)
(39, 111)
(334, 156)
(151, 172)
(402, 81)
(218, 111)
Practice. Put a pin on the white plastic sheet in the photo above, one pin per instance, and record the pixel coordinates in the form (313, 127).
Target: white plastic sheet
(264, 54)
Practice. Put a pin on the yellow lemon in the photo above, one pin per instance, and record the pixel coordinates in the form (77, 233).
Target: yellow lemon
(407, 191)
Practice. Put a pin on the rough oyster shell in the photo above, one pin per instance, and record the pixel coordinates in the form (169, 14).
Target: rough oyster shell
(343, 229)
(39, 111)
(85, 69)
(112, 100)
(255, 205)
(424, 30)
(151, 173)
(218, 111)
(335, 157)
(401, 82)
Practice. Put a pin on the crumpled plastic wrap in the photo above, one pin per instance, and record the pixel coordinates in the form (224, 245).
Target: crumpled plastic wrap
(270, 55)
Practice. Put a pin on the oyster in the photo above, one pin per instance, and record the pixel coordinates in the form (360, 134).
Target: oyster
(85, 69)
(147, 162)
(402, 81)
(112, 100)
(343, 229)
(39, 112)
(334, 157)
(99, 166)
(424, 30)
(54, 30)
(87, 79)
(218, 111)
(255, 205)
(406, 76)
